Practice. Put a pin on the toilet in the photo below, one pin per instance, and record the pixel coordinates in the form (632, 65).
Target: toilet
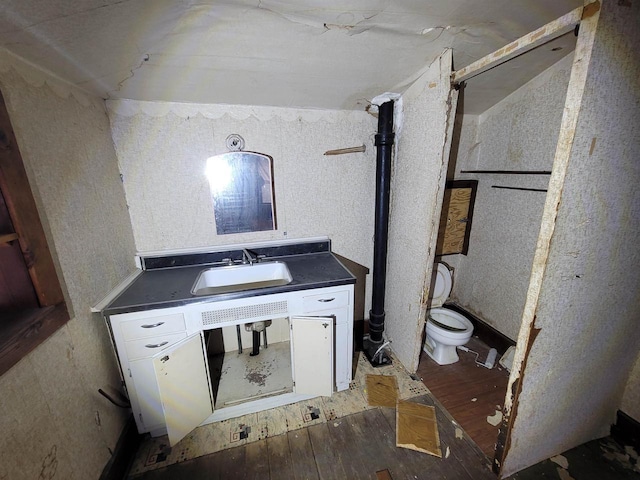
(445, 328)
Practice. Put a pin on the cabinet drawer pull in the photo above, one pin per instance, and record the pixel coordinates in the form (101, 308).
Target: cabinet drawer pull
(156, 345)
(327, 299)
(153, 325)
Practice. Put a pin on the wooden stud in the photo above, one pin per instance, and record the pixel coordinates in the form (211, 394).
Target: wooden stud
(544, 34)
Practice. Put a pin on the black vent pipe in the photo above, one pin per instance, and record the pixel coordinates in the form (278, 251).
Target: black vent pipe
(384, 143)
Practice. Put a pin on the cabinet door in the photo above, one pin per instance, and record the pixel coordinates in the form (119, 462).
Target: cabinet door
(183, 380)
(312, 355)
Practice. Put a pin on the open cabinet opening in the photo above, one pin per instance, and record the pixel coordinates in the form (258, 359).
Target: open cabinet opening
(212, 375)
(239, 376)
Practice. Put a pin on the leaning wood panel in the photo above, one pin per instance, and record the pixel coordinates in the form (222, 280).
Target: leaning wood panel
(528, 332)
(24, 215)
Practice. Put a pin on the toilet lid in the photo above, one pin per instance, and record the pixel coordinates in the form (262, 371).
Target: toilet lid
(442, 287)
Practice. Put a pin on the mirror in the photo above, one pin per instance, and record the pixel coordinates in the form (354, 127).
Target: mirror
(242, 190)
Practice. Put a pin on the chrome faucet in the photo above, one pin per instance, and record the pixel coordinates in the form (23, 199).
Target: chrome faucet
(247, 257)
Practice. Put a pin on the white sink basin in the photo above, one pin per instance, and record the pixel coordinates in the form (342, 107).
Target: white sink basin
(241, 277)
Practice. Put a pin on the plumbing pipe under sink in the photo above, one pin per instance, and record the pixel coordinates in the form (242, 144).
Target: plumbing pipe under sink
(255, 328)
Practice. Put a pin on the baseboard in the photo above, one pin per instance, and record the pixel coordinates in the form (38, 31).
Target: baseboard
(626, 430)
(481, 329)
(124, 452)
(484, 331)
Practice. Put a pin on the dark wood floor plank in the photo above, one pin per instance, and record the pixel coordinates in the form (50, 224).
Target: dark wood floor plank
(402, 462)
(327, 460)
(304, 463)
(424, 466)
(350, 447)
(257, 460)
(280, 463)
(376, 442)
(463, 452)
(232, 464)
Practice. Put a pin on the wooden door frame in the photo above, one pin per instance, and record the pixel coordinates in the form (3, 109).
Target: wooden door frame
(23, 330)
(585, 19)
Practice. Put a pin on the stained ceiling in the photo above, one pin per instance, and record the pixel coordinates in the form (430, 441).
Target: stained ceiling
(289, 53)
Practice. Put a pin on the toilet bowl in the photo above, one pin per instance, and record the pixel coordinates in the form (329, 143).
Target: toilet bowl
(445, 329)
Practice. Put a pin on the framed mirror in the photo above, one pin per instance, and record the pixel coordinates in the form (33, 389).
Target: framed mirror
(241, 186)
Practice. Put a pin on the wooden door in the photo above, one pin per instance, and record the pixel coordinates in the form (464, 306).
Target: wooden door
(455, 220)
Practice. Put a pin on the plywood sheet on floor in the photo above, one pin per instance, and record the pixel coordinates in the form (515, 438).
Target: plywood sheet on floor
(382, 390)
(417, 428)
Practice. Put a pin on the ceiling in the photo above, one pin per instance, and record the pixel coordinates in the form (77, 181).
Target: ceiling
(289, 53)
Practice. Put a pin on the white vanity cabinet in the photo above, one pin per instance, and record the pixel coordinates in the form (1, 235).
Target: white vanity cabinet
(338, 304)
(162, 355)
(139, 338)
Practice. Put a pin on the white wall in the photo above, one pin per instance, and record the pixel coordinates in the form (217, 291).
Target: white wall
(519, 133)
(630, 404)
(417, 188)
(162, 149)
(586, 335)
(52, 418)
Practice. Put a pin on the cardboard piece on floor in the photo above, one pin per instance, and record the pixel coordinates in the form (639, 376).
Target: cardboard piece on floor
(382, 390)
(417, 428)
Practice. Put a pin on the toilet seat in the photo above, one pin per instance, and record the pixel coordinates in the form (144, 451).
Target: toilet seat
(447, 326)
(445, 329)
(442, 287)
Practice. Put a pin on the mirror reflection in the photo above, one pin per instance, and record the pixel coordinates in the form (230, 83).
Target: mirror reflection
(242, 190)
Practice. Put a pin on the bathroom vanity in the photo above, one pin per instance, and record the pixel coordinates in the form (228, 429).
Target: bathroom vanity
(184, 357)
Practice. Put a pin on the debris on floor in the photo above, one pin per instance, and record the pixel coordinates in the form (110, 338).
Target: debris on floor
(601, 459)
(495, 419)
(560, 460)
(564, 474)
(626, 457)
(417, 428)
(507, 359)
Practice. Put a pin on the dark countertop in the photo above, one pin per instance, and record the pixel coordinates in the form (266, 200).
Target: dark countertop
(171, 287)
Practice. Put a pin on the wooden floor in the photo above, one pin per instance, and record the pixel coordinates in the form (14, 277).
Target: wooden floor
(350, 448)
(470, 393)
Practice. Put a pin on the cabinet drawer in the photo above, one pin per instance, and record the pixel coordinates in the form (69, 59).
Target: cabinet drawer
(325, 301)
(152, 326)
(146, 347)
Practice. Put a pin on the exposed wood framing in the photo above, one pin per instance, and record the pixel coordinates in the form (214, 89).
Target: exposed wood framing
(24, 215)
(542, 35)
(528, 331)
